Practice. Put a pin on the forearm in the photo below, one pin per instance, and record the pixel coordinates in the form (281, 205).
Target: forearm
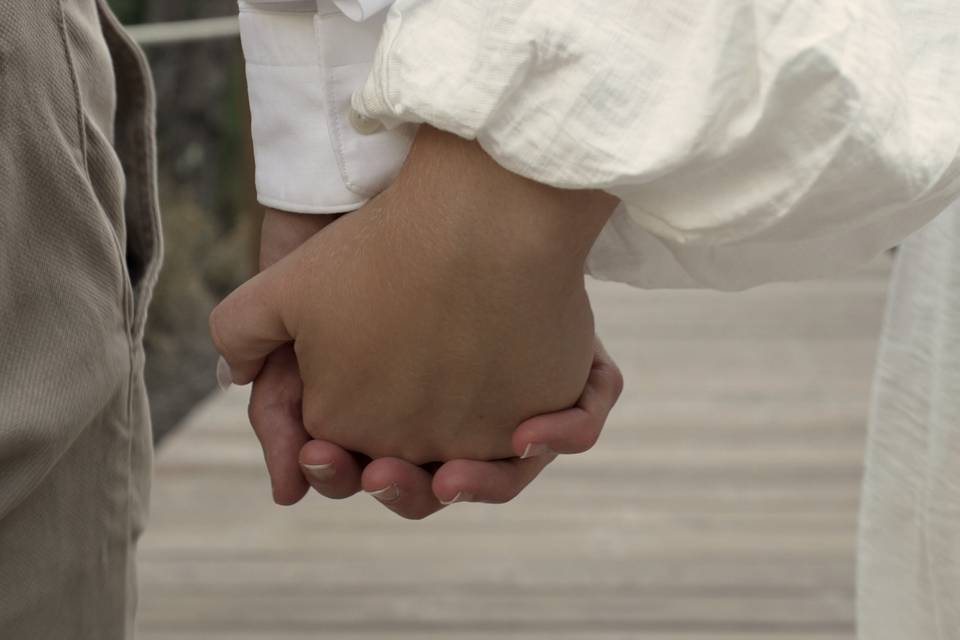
(451, 182)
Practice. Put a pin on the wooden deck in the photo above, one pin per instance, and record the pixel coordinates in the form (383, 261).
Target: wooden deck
(720, 503)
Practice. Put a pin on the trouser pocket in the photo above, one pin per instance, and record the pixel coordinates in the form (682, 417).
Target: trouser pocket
(134, 143)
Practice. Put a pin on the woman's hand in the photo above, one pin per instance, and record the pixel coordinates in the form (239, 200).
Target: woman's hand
(432, 321)
(292, 458)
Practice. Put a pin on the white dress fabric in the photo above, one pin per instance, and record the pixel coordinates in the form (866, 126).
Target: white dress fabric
(909, 548)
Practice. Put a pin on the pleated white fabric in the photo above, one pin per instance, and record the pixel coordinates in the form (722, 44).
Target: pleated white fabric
(909, 551)
(755, 140)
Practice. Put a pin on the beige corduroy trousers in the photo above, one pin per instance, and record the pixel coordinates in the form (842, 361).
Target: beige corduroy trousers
(79, 252)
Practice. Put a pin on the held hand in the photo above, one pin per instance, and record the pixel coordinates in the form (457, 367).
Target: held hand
(428, 327)
(406, 489)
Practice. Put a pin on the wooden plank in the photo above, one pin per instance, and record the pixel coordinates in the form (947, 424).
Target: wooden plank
(528, 634)
(456, 611)
(720, 503)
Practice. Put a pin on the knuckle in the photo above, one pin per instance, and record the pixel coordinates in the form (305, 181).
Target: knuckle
(587, 438)
(617, 381)
(259, 406)
(254, 412)
(505, 496)
(263, 417)
(578, 439)
(611, 378)
(323, 424)
(316, 416)
(260, 413)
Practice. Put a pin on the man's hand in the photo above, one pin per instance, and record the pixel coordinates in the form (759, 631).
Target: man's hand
(437, 318)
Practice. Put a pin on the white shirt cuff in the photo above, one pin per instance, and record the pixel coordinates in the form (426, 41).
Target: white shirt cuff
(304, 60)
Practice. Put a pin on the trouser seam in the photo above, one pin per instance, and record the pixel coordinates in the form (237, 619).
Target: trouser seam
(138, 142)
(75, 85)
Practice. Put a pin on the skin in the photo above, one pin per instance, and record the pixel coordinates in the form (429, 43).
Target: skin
(542, 265)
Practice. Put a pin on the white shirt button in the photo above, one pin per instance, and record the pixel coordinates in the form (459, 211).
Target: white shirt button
(362, 124)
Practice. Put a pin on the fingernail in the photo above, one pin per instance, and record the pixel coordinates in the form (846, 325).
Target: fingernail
(387, 494)
(224, 375)
(460, 497)
(320, 472)
(534, 450)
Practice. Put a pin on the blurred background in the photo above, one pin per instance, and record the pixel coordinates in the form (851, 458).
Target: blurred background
(720, 503)
(207, 194)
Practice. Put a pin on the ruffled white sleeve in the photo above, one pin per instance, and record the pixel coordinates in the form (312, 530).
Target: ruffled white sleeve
(749, 140)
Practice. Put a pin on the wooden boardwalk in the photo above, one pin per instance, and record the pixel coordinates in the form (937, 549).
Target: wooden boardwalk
(720, 503)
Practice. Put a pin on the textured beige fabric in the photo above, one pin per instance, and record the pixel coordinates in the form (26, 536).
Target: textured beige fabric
(79, 246)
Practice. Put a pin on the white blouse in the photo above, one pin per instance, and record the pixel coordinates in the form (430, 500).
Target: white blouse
(748, 140)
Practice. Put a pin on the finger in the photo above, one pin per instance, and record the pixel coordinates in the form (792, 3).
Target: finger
(331, 470)
(402, 487)
(577, 429)
(248, 325)
(494, 482)
(275, 415)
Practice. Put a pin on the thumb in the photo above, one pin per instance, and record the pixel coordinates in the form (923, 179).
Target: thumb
(249, 325)
(577, 429)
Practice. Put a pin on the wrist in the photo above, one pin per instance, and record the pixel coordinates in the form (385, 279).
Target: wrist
(451, 186)
(283, 231)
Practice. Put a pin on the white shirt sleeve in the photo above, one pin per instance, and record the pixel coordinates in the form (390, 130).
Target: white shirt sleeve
(304, 60)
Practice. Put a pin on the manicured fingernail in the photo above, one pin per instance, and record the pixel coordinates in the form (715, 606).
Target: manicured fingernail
(460, 497)
(534, 450)
(319, 472)
(387, 494)
(224, 375)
